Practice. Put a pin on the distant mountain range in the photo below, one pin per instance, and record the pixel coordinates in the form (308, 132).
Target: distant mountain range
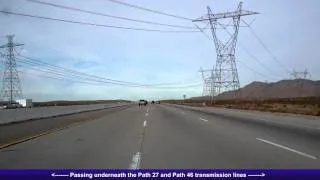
(280, 89)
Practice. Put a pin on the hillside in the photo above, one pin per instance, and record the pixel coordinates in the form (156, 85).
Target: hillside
(281, 89)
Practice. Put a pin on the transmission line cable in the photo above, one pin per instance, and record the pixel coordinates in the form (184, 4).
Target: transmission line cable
(267, 49)
(77, 74)
(246, 50)
(108, 15)
(149, 10)
(93, 24)
(257, 72)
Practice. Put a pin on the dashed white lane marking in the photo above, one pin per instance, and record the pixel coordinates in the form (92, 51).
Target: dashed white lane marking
(182, 112)
(146, 114)
(145, 123)
(287, 148)
(135, 164)
(203, 120)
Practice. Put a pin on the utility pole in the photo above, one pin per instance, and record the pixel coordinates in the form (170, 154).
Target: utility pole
(225, 72)
(11, 87)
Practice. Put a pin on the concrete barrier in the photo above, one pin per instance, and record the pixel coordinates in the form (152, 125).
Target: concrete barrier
(24, 114)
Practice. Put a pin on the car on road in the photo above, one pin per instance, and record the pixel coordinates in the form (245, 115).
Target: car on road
(143, 102)
(13, 106)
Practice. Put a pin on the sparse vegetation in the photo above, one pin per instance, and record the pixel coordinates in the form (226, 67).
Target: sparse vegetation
(306, 105)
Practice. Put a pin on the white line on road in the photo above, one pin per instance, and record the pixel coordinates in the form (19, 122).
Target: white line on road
(287, 148)
(204, 120)
(256, 175)
(59, 175)
(135, 161)
(182, 112)
(146, 114)
(145, 123)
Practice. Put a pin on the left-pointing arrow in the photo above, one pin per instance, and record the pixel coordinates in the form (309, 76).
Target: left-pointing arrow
(59, 175)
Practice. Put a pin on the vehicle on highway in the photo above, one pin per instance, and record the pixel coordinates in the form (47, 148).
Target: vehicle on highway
(152, 102)
(143, 102)
(158, 102)
(13, 106)
(27, 103)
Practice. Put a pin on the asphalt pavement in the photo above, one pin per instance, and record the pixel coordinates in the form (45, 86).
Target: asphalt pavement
(163, 136)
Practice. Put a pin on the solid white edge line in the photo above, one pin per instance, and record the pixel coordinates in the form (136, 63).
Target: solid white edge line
(288, 149)
(135, 161)
(203, 119)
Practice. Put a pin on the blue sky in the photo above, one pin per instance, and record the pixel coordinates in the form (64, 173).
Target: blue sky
(289, 28)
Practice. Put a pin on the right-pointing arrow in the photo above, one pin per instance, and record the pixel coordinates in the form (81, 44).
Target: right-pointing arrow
(257, 175)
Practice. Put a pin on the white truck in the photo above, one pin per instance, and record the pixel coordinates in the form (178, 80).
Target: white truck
(27, 103)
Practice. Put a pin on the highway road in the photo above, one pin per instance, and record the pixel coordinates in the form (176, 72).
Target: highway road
(165, 136)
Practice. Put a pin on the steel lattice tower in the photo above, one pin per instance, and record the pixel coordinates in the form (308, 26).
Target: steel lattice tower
(11, 87)
(207, 76)
(301, 75)
(225, 72)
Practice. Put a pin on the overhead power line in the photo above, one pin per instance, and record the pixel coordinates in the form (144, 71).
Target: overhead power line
(61, 79)
(247, 51)
(93, 24)
(108, 15)
(53, 75)
(268, 50)
(38, 62)
(60, 71)
(149, 10)
(253, 70)
(67, 76)
(255, 58)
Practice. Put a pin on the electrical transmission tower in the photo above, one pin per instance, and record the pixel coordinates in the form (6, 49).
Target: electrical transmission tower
(225, 72)
(207, 76)
(301, 75)
(11, 87)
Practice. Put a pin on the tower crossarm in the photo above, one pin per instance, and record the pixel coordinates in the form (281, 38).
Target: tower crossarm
(225, 15)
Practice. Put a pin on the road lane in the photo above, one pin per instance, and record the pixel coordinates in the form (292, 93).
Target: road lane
(108, 142)
(161, 136)
(15, 132)
(306, 142)
(175, 140)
